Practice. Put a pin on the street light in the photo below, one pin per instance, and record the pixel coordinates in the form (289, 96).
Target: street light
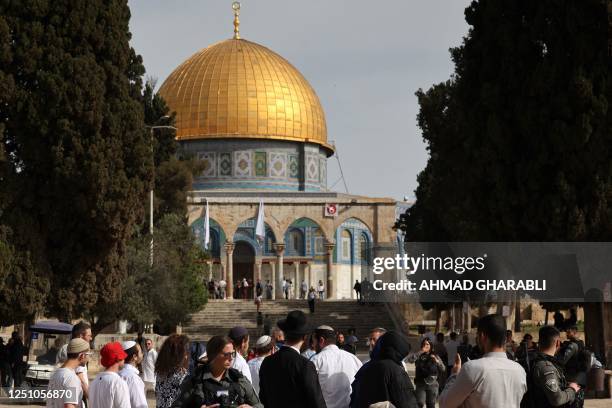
(152, 129)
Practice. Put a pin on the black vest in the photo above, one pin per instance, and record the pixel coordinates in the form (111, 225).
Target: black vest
(227, 393)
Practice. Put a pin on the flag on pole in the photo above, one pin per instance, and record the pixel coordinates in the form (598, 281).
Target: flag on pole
(206, 227)
(260, 228)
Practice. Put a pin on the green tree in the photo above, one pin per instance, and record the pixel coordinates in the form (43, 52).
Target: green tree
(519, 138)
(75, 140)
(174, 169)
(177, 260)
(169, 291)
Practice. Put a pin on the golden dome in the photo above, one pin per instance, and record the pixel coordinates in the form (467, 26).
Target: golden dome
(240, 89)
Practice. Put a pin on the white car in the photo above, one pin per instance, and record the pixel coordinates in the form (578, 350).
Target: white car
(40, 369)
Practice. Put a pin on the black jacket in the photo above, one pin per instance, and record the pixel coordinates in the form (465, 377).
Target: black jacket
(383, 378)
(287, 379)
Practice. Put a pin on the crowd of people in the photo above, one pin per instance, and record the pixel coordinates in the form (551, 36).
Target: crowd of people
(295, 365)
(243, 289)
(11, 361)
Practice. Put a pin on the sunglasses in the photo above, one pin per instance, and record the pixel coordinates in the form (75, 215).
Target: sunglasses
(231, 354)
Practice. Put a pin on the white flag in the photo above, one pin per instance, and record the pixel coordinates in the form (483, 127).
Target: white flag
(260, 228)
(206, 227)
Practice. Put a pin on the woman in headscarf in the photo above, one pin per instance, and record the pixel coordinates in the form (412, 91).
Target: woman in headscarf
(383, 378)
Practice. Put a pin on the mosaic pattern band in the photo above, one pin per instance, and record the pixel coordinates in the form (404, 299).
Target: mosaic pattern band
(259, 165)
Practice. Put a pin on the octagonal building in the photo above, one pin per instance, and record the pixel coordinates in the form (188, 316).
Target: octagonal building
(259, 129)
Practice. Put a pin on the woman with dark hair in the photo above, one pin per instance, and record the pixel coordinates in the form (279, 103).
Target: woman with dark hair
(429, 366)
(216, 382)
(171, 369)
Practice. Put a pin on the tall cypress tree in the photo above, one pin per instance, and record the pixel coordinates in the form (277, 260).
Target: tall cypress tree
(75, 138)
(520, 138)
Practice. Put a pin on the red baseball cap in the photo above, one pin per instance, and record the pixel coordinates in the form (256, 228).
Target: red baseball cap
(111, 353)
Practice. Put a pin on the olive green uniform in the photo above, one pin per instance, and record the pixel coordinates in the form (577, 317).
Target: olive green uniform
(550, 385)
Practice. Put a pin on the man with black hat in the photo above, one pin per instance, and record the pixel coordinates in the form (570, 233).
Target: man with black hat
(286, 378)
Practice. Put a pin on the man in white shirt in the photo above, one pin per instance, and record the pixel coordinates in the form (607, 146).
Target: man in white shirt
(222, 286)
(108, 390)
(490, 381)
(80, 330)
(303, 289)
(131, 375)
(336, 368)
(65, 379)
(148, 365)
(240, 338)
(263, 348)
(451, 350)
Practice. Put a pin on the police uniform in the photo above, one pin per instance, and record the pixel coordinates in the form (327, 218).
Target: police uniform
(550, 387)
(202, 389)
(572, 357)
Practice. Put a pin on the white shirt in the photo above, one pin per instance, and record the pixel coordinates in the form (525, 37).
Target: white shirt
(148, 365)
(130, 374)
(65, 379)
(337, 369)
(451, 349)
(83, 370)
(108, 390)
(254, 366)
(240, 364)
(490, 381)
(222, 284)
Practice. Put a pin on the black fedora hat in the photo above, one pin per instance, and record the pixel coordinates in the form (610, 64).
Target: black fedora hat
(295, 323)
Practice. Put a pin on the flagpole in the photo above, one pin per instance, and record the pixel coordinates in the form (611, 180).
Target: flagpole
(206, 227)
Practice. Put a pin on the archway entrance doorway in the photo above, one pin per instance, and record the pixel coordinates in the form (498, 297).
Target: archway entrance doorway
(243, 266)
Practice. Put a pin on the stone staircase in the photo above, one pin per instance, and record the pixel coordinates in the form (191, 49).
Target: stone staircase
(219, 316)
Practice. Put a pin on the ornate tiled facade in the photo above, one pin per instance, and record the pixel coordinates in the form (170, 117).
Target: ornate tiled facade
(248, 164)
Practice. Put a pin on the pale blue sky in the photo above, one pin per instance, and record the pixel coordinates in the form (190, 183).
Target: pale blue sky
(365, 59)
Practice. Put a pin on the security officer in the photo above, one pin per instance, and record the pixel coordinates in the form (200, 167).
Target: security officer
(576, 361)
(547, 386)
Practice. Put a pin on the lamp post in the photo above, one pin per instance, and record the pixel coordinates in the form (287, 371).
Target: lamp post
(152, 129)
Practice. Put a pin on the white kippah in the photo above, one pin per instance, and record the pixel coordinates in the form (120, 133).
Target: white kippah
(263, 341)
(126, 345)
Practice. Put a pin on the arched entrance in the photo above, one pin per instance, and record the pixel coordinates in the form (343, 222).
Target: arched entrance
(243, 267)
